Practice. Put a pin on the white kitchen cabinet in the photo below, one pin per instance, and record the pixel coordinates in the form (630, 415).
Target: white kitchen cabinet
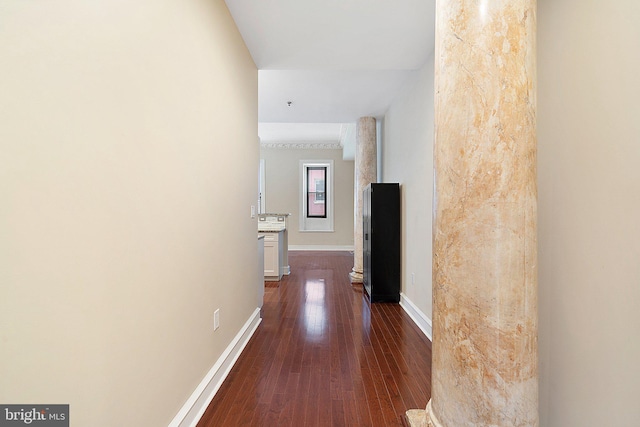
(273, 255)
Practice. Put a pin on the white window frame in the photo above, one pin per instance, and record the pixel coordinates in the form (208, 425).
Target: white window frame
(318, 225)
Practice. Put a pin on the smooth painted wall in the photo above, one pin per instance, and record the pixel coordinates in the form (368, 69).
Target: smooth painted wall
(589, 210)
(128, 165)
(407, 158)
(283, 187)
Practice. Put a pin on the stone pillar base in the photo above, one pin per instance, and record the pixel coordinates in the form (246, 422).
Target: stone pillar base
(416, 418)
(355, 277)
(422, 417)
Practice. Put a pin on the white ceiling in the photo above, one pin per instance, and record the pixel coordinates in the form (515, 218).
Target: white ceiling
(335, 60)
(331, 96)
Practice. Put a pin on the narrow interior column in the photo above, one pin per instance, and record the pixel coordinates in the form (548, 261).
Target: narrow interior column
(365, 173)
(484, 367)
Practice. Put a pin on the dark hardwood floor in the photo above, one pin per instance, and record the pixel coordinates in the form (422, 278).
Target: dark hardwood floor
(324, 356)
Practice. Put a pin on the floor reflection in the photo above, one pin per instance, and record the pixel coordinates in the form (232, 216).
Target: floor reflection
(314, 309)
(366, 317)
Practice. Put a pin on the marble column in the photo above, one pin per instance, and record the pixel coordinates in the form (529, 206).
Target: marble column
(484, 368)
(365, 173)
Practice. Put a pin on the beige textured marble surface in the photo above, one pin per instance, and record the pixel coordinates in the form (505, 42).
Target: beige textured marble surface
(366, 171)
(417, 417)
(485, 273)
(422, 417)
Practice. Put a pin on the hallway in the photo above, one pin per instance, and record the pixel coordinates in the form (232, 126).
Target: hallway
(324, 356)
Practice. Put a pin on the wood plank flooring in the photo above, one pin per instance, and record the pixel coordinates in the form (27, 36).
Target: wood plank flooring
(324, 356)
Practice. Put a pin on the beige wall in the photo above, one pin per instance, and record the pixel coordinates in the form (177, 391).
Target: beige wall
(128, 164)
(282, 171)
(407, 158)
(589, 210)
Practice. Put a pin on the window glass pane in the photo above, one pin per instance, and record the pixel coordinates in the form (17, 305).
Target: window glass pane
(316, 193)
(316, 210)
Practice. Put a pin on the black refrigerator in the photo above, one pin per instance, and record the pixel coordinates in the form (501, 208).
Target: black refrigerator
(381, 242)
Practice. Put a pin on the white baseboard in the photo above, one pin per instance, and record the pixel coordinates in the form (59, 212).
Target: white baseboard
(194, 407)
(419, 318)
(320, 248)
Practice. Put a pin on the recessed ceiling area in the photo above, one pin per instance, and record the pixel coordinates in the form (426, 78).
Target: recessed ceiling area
(290, 132)
(326, 96)
(334, 60)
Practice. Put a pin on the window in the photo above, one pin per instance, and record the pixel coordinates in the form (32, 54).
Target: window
(316, 196)
(316, 178)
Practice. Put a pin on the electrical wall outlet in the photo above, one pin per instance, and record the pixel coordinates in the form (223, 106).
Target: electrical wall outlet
(253, 211)
(216, 319)
(413, 278)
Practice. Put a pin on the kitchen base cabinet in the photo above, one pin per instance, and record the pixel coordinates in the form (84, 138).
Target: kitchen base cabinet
(273, 255)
